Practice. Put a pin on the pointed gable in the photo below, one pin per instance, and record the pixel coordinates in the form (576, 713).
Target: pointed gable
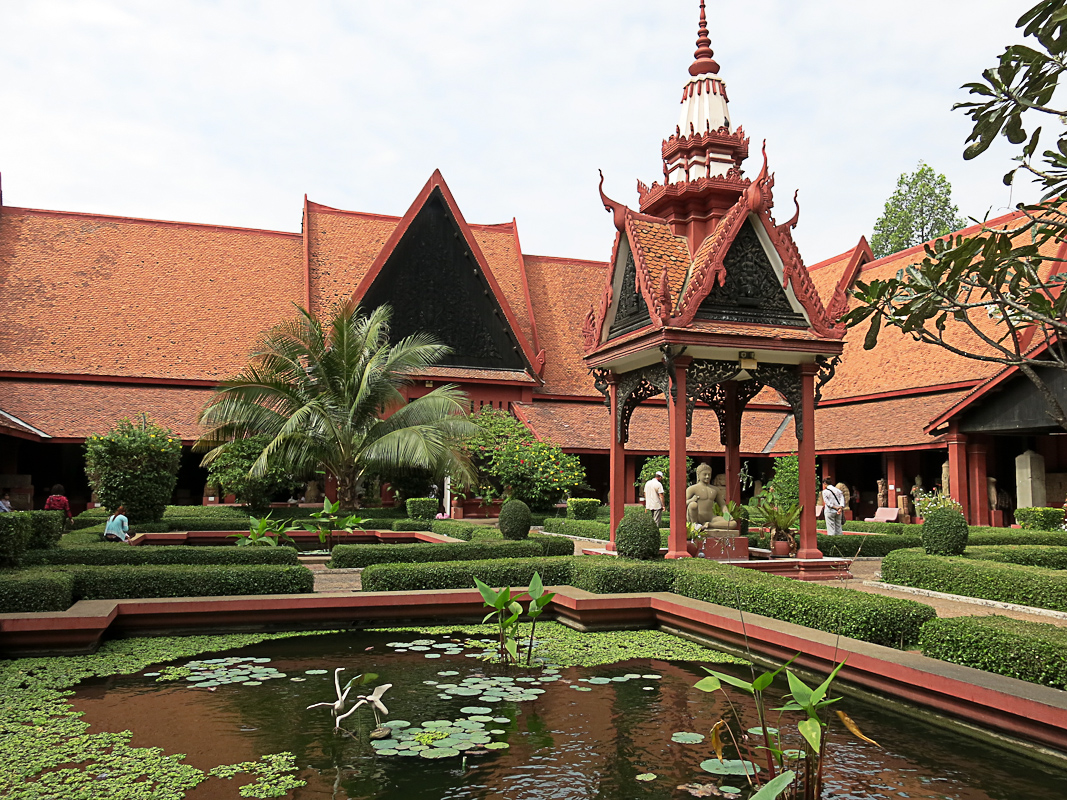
(434, 275)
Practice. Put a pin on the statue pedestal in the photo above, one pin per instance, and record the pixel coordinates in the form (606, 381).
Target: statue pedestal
(723, 548)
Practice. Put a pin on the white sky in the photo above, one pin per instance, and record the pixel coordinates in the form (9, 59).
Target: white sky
(228, 112)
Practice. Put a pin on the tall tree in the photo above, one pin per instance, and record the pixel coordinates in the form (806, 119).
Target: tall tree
(920, 209)
(329, 396)
(997, 295)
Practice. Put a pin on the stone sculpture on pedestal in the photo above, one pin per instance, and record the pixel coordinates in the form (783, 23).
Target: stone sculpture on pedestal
(702, 498)
(883, 493)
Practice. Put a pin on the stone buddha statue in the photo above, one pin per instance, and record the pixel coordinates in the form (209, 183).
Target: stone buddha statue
(702, 498)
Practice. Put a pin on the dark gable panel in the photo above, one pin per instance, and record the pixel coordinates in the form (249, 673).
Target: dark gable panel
(434, 284)
(752, 291)
(632, 312)
(1017, 408)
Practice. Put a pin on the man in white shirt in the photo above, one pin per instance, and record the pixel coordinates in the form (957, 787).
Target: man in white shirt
(654, 498)
(834, 503)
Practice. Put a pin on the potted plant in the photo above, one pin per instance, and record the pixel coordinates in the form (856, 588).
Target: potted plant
(695, 537)
(778, 521)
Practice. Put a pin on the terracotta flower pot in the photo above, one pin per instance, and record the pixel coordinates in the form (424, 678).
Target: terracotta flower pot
(780, 548)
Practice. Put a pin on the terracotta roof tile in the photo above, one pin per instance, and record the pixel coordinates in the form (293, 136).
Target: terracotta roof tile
(661, 251)
(470, 373)
(500, 248)
(826, 275)
(96, 295)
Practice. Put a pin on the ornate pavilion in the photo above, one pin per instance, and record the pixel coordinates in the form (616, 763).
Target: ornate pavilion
(106, 317)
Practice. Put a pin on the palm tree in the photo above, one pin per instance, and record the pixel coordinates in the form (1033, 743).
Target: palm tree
(329, 396)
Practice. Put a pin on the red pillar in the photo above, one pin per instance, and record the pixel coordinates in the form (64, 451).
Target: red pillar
(809, 546)
(957, 470)
(894, 477)
(733, 443)
(617, 463)
(977, 472)
(631, 479)
(676, 543)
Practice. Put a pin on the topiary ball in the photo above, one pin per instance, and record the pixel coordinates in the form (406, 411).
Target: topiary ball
(514, 520)
(637, 536)
(944, 532)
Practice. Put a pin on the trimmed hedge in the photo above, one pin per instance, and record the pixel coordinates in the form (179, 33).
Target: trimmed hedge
(878, 546)
(112, 554)
(35, 590)
(46, 529)
(1040, 519)
(457, 529)
(945, 532)
(582, 507)
(514, 521)
(413, 525)
(870, 617)
(1030, 651)
(16, 528)
(422, 507)
(1026, 555)
(461, 574)
(637, 537)
(611, 575)
(552, 545)
(349, 556)
(579, 527)
(183, 580)
(990, 580)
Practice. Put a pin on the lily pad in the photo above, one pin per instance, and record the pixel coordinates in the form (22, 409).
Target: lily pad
(647, 776)
(483, 718)
(432, 655)
(447, 672)
(297, 680)
(497, 746)
(687, 737)
(439, 752)
(600, 681)
(389, 752)
(152, 674)
(728, 767)
(438, 723)
(315, 671)
(730, 789)
(582, 688)
(759, 731)
(252, 683)
(501, 720)
(475, 710)
(652, 677)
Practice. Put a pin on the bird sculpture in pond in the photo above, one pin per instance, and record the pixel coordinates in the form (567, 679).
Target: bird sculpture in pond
(338, 706)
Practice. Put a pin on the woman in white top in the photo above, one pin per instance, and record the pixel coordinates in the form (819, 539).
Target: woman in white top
(118, 527)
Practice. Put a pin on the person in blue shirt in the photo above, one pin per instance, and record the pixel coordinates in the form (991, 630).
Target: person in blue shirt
(118, 527)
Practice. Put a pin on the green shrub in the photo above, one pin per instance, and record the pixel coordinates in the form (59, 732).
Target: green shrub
(461, 574)
(514, 520)
(582, 507)
(182, 580)
(82, 537)
(46, 529)
(413, 525)
(786, 480)
(610, 575)
(637, 537)
(1026, 555)
(135, 465)
(16, 529)
(422, 507)
(660, 464)
(985, 537)
(229, 472)
(990, 580)
(351, 556)
(112, 554)
(869, 617)
(586, 529)
(552, 545)
(35, 590)
(1040, 519)
(457, 529)
(944, 532)
(1030, 651)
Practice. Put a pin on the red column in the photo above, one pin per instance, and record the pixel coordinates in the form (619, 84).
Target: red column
(631, 479)
(617, 463)
(894, 477)
(676, 413)
(809, 546)
(733, 443)
(977, 472)
(957, 470)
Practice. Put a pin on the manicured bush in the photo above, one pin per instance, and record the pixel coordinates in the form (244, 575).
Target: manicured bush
(990, 580)
(637, 537)
(135, 464)
(422, 507)
(1027, 555)
(112, 554)
(1040, 519)
(610, 575)
(869, 617)
(16, 528)
(579, 527)
(229, 468)
(182, 580)
(46, 529)
(351, 556)
(944, 532)
(413, 525)
(1030, 651)
(82, 537)
(514, 520)
(461, 574)
(552, 545)
(35, 590)
(582, 507)
(457, 529)
(878, 546)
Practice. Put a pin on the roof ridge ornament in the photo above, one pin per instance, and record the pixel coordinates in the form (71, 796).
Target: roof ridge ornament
(704, 63)
(615, 208)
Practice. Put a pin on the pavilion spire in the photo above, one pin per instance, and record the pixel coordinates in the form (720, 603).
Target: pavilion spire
(704, 63)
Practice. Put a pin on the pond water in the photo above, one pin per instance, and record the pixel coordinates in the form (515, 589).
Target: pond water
(572, 733)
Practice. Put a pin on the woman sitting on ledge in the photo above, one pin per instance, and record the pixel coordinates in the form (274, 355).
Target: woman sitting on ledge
(118, 527)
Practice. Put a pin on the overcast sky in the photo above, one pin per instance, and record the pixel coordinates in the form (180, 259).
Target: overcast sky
(228, 112)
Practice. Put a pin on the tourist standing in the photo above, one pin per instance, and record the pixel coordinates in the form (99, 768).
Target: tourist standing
(118, 527)
(57, 501)
(654, 498)
(5, 502)
(833, 501)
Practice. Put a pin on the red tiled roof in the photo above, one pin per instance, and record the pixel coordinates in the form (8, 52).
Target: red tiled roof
(500, 248)
(65, 409)
(560, 291)
(826, 275)
(94, 295)
(660, 251)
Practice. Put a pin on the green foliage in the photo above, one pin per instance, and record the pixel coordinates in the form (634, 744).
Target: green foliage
(272, 772)
(991, 580)
(514, 520)
(135, 464)
(351, 556)
(579, 527)
(944, 532)
(505, 612)
(229, 471)
(16, 529)
(785, 483)
(422, 507)
(457, 529)
(413, 525)
(610, 575)
(1027, 555)
(920, 209)
(869, 617)
(328, 520)
(264, 532)
(328, 395)
(925, 502)
(582, 507)
(1030, 651)
(637, 537)
(46, 529)
(539, 599)
(1040, 519)
(35, 590)
(461, 574)
(113, 554)
(552, 545)
(510, 459)
(660, 464)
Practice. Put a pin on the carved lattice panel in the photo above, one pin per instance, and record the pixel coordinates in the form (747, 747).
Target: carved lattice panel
(632, 311)
(633, 389)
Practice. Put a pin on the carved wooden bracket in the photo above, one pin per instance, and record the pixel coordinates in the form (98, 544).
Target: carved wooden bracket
(601, 381)
(785, 379)
(827, 367)
(633, 389)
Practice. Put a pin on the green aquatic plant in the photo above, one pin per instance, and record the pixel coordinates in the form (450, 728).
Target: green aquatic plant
(273, 775)
(506, 612)
(263, 532)
(539, 598)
